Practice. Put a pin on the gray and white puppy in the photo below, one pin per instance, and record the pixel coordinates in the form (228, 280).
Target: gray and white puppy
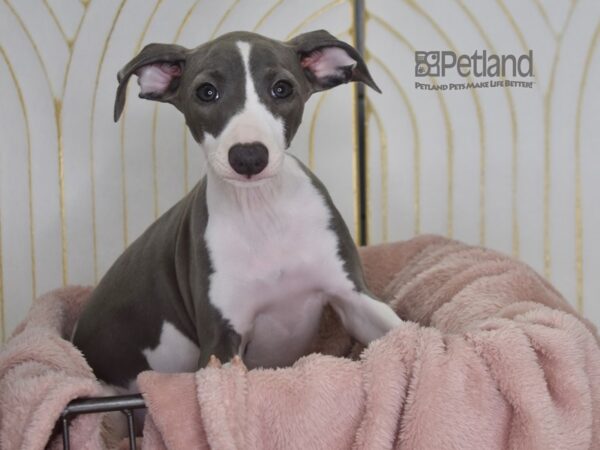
(246, 262)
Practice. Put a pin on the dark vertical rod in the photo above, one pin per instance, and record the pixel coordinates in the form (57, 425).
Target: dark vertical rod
(65, 430)
(360, 115)
(130, 428)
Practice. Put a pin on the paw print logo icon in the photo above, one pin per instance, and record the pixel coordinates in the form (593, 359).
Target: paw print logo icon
(427, 64)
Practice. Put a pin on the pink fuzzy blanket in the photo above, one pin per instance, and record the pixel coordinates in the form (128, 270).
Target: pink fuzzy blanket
(492, 358)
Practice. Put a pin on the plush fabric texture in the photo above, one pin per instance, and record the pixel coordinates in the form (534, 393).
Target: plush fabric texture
(491, 357)
(41, 371)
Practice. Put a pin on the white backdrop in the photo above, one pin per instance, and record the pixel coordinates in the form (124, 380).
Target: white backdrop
(511, 168)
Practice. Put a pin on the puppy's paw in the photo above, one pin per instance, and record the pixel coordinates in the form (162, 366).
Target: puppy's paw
(236, 363)
(214, 362)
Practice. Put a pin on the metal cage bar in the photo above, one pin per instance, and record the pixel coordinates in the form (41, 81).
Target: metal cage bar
(124, 403)
(127, 403)
(360, 108)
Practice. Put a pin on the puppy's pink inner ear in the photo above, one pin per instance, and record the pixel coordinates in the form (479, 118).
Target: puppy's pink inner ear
(327, 61)
(155, 78)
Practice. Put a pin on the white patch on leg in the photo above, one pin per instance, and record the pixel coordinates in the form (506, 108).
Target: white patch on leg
(365, 318)
(174, 352)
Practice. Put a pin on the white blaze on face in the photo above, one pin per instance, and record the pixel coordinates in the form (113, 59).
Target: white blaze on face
(255, 123)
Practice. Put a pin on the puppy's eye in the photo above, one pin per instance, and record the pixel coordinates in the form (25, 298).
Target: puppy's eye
(207, 92)
(282, 89)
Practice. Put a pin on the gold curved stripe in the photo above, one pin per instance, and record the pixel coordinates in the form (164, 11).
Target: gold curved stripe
(185, 20)
(523, 41)
(182, 26)
(354, 124)
(416, 137)
(58, 123)
(60, 149)
(155, 162)
(155, 110)
(516, 28)
(355, 196)
(447, 124)
(124, 202)
(547, 114)
(178, 33)
(61, 163)
(544, 15)
(475, 95)
(547, 168)
(257, 26)
(268, 14)
(33, 44)
(549, 95)
(568, 20)
(176, 38)
(313, 16)
(311, 145)
(68, 41)
(61, 190)
(224, 18)
(71, 49)
(548, 174)
(186, 147)
(578, 207)
(514, 141)
(91, 136)
(516, 232)
(547, 151)
(311, 133)
(369, 210)
(383, 162)
(21, 98)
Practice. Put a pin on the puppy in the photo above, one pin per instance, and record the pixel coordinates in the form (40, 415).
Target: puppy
(246, 262)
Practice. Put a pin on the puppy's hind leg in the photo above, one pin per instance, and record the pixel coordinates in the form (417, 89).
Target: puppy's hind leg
(364, 317)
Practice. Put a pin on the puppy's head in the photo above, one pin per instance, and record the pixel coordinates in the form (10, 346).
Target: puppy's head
(243, 94)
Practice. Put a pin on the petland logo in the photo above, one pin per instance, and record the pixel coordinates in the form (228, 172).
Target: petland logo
(478, 65)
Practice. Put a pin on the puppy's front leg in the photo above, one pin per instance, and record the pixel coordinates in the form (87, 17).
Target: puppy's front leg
(224, 346)
(363, 316)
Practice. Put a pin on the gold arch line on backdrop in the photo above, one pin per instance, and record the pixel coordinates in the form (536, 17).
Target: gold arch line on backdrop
(58, 86)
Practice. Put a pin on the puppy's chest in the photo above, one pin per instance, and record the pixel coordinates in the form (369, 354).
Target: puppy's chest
(271, 253)
(270, 264)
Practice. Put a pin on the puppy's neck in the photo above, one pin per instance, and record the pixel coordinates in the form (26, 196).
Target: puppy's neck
(251, 199)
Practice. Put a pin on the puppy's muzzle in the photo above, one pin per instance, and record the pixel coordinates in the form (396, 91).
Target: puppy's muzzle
(248, 159)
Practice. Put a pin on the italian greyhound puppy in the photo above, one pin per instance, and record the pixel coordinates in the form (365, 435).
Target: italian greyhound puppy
(246, 262)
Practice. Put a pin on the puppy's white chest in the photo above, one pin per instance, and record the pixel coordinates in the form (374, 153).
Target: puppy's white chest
(273, 256)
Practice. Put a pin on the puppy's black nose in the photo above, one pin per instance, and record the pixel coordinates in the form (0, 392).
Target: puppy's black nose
(248, 159)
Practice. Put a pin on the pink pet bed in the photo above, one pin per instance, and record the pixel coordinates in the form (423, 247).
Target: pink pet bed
(491, 357)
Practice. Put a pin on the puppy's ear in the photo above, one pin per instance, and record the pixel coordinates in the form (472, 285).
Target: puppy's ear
(159, 68)
(328, 62)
